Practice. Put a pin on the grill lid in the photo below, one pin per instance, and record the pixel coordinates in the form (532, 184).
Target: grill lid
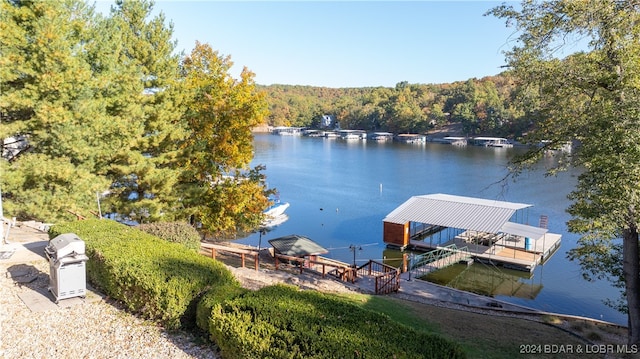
(67, 244)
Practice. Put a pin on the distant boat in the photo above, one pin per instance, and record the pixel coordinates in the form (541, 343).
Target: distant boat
(382, 136)
(275, 221)
(352, 135)
(411, 138)
(287, 131)
(277, 209)
(491, 142)
(331, 134)
(274, 215)
(456, 141)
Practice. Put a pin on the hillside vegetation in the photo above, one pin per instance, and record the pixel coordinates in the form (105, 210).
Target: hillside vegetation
(484, 106)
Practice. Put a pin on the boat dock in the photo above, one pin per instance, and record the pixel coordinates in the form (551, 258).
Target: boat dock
(507, 251)
(483, 226)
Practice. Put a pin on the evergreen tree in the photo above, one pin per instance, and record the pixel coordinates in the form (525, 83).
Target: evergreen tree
(50, 98)
(149, 97)
(98, 102)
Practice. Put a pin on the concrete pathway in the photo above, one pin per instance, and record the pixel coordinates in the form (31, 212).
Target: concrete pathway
(23, 261)
(26, 244)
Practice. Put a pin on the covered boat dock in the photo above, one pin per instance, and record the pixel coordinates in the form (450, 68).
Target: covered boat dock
(483, 226)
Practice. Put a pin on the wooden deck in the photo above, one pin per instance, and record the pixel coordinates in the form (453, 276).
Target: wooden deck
(509, 252)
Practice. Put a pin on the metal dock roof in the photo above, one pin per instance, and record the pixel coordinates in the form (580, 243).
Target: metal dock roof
(456, 212)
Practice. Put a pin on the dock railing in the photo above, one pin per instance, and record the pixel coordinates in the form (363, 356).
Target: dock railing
(324, 268)
(240, 252)
(387, 278)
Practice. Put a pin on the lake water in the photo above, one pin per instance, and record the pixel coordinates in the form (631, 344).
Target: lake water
(340, 191)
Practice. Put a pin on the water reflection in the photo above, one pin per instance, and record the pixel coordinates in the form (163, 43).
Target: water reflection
(487, 280)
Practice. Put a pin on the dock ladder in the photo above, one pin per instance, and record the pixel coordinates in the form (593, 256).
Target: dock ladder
(544, 222)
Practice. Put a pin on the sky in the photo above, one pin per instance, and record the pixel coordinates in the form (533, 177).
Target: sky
(345, 44)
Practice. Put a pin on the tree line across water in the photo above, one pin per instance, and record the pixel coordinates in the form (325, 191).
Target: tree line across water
(486, 106)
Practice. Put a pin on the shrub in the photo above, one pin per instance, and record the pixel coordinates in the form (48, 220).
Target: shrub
(215, 296)
(283, 322)
(150, 276)
(177, 232)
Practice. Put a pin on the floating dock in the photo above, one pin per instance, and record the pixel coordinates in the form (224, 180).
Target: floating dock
(483, 226)
(508, 251)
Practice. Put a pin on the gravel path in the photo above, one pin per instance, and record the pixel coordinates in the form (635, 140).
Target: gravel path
(88, 330)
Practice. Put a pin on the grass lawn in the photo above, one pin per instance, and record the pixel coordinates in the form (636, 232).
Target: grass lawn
(487, 336)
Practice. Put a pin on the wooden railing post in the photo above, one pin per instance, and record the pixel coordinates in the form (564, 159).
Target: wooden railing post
(213, 253)
(256, 261)
(242, 256)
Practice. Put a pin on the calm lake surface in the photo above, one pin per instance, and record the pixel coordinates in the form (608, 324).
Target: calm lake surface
(340, 191)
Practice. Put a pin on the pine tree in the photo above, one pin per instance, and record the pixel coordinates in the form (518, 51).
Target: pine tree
(145, 177)
(50, 98)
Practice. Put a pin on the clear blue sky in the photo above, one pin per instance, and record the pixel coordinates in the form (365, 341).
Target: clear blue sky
(346, 44)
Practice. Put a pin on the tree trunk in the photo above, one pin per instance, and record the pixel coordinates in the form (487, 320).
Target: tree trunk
(631, 268)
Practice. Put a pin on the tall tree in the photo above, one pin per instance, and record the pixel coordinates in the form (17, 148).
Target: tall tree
(592, 97)
(51, 100)
(149, 97)
(96, 100)
(223, 193)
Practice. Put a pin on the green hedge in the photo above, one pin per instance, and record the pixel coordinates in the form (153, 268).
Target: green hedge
(283, 322)
(158, 279)
(177, 232)
(167, 282)
(215, 296)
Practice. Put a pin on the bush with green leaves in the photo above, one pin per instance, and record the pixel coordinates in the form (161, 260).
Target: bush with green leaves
(284, 322)
(215, 296)
(177, 232)
(160, 280)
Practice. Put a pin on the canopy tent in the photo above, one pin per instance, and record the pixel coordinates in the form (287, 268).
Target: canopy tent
(445, 210)
(296, 246)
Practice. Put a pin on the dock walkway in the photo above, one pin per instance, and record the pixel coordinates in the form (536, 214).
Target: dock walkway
(440, 258)
(509, 252)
